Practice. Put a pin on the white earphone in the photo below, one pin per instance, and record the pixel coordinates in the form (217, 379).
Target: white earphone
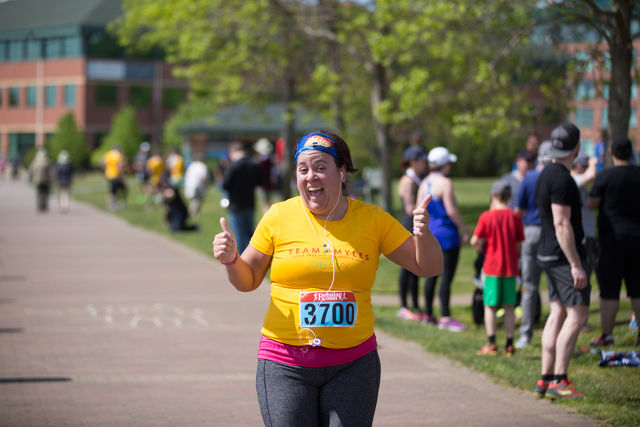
(341, 175)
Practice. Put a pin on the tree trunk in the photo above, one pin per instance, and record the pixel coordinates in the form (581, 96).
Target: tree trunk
(621, 51)
(378, 95)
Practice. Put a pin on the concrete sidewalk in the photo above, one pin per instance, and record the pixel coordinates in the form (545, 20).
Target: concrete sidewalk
(104, 324)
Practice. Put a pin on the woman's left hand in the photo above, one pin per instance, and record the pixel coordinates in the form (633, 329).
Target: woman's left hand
(421, 218)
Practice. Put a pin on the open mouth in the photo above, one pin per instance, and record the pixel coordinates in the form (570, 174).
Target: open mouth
(315, 192)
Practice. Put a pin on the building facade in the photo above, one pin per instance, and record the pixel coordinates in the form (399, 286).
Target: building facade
(57, 57)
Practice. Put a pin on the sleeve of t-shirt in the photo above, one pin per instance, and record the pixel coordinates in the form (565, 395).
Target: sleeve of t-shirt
(481, 228)
(263, 238)
(392, 233)
(521, 196)
(597, 189)
(561, 191)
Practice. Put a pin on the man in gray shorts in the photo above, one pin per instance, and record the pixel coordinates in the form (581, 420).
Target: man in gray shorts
(562, 257)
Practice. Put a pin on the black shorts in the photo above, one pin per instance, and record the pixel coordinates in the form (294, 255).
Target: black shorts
(618, 259)
(115, 185)
(560, 285)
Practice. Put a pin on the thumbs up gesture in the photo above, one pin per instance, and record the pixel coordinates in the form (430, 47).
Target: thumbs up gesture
(421, 217)
(224, 244)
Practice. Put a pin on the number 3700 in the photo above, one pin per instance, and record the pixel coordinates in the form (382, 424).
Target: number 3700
(329, 314)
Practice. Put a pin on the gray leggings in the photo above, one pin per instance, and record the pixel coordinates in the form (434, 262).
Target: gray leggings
(342, 395)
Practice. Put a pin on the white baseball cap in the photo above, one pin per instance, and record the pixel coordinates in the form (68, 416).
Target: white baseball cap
(440, 156)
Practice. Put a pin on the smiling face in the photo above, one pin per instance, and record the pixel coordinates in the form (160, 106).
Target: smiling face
(319, 182)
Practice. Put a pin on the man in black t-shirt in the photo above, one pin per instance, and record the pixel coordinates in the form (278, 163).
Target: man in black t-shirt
(562, 257)
(615, 193)
(241, 178)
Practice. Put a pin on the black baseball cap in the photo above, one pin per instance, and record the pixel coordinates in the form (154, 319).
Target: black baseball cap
(564, 139)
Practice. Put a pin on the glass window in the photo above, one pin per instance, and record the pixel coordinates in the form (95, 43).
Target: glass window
(106, 95)
(605, 91)
(51, 96)
(72, 46)
(53, 48)
(14, 96)
(3, 51)
(16, 51)
(31, 96)
(634, 91)
(34, 49)
(69, 95)
(633, 119)
(1, 95)
(586, 90)
(604, 118)
(584, 117)
(606, 60)
(140, 96)
(172, 97)
(584, 62)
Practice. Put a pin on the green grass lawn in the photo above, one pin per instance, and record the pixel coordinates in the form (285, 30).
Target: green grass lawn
(612, 394)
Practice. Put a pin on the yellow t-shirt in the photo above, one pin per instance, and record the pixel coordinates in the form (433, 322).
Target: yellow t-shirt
(300, 264)
(113, 161)
(176, 166)
(155, 166)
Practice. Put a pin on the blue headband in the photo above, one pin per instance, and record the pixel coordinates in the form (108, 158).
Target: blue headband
(318, 142)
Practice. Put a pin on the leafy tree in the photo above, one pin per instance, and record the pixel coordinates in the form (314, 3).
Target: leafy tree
(68, 137)
(613, 21)
(125, 133)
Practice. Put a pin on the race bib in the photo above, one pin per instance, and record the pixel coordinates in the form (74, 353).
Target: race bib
(324, 309)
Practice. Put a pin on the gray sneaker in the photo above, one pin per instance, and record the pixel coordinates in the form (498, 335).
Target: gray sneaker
(523, 342)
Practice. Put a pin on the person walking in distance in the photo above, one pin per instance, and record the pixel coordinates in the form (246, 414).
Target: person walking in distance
(414, 160)
(317, 360)
(445, 224)
(502, 231)
(40, 173)
(615, 194)
(64, 176)
(563, 258)
(241, 178)
(527, 206)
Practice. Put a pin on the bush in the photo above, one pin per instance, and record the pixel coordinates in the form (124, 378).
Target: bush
(124, 132)
(69, 138)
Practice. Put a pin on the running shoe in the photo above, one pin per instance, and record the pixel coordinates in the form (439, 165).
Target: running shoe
(428, 319)
(451, 324)
(541, 388)
(488, 350)
(509, 351)
(523, 342)
(563, 390)
(603, 340)
(405, 313)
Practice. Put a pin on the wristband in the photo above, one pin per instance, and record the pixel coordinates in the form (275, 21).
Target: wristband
(232, 262)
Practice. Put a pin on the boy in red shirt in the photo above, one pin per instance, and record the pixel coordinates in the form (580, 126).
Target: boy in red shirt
(502, 231)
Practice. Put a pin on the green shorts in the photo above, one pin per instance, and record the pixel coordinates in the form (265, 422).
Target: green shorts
(499, 291)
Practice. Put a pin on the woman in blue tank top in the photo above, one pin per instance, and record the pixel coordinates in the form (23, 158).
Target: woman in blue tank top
(445, 223)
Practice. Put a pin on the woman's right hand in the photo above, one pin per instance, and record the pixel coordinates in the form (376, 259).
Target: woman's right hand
(224, 244)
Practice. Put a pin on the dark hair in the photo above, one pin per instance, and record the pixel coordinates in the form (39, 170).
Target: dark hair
(505, 195)
(342, 149)
(621, 148)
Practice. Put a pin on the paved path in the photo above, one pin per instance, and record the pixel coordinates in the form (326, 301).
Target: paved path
(103, 324)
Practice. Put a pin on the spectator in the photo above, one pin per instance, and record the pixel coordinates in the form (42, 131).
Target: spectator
(562, 257)
(155, 169)
(113, 163)
(196, 179)
(176, 214)
(263, 149)
(241, 178)
(41, 176)
(414, 160)
(445, 223)
(526, 205)
(615, 194)
(524, 163)
(64, 176)
(583, 173)
(142, 174)
(499, 233)
(175, 165)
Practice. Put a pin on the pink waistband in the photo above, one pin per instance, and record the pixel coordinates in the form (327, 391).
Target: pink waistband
(312, 357)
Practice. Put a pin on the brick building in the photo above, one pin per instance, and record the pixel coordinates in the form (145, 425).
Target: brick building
(57, 56)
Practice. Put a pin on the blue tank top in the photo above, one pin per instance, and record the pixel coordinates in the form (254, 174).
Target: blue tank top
(445, 230)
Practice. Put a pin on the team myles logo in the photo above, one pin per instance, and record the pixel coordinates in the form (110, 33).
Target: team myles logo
(318, 140)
